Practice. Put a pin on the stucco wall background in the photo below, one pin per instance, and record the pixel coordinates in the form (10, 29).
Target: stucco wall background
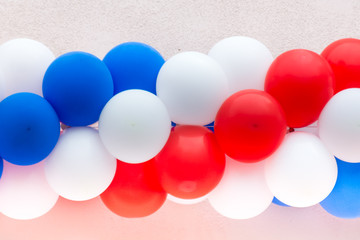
(96, 26)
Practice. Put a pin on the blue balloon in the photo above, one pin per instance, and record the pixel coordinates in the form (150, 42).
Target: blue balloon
(344, 200)
(29, 128)
(134, 65)
(1, 166)
(210, 126)
(78, 85)
(278, 202)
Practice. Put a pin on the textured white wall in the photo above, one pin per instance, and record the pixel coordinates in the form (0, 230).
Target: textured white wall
(96, 26)
(178, 25)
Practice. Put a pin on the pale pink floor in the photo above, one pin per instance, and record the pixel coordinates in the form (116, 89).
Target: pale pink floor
(91, 220)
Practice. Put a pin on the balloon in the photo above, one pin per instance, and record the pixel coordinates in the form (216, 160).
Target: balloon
(343, 201)
(191, 164)
(25, 193)
(134, 65)
(242, 193)
(23, 63)
(186, 201)
(301, 173)
(29, 128)
(80, 168)
(210, 126)
(339, 125)
(135, 190)
(134, 126)
(78, 85)
(250, 125)
(279, 203)
(343, 56)
(193, 86)
(1, 166)
(245, 61)
(302, 81)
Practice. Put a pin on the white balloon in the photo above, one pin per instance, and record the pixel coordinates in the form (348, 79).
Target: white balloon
(193, 86)
(23, 63)
(80, 168)
(242, 192)
(301, 172)
(25, 193)
(339, 125)
(134, 126)
(245, 61)
(186, 201)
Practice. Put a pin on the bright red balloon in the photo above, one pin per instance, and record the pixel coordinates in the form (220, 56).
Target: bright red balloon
(344, 58)
(192, 163)
(250, 125)
(302, 82)
(135, 190)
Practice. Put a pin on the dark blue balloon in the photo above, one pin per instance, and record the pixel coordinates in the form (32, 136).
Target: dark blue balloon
(29, 128)
(78, 85)
(1, 166)
(210, 126)
(344, 200)
(278, 202)
(134, 65)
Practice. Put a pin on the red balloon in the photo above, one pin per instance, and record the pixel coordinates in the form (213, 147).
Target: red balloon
(135, 190)
(344, 58)
(250, 125)
(302, 81)
(191, 163)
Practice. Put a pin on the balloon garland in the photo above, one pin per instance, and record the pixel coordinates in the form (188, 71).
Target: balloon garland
(234, 127)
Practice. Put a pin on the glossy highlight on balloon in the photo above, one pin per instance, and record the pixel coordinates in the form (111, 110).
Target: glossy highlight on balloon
(343, 56)
(192, 163)
(250, 125)
(302, 82)
(135, 190)
(186, 201)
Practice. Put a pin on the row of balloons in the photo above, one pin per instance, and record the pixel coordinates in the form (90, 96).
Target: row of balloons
(234, 112)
